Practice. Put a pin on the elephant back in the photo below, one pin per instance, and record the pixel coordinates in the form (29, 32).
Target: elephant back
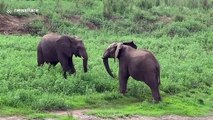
(51, 37)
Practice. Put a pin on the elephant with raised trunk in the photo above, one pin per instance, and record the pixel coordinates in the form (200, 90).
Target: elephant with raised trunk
(141, 65)
(54, 48)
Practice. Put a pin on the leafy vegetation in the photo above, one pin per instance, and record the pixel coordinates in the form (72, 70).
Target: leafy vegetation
(179, 33)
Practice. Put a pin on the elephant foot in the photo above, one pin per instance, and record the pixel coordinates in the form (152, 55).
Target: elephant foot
(69, 72)
(72, 71)
(65, 75)
(156, 100)
(123, 92)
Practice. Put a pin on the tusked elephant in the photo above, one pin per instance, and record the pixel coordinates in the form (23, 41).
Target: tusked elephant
(141, 65)
(54, 48)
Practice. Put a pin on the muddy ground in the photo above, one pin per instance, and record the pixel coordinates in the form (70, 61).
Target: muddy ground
(81, 115)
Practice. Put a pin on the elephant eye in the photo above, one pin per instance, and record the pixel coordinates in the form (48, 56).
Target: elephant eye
(78, 47)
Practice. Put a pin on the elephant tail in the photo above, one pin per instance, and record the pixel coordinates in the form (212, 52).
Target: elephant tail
(158, 74)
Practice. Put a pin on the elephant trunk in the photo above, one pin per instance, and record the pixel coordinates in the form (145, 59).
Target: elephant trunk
(85, 59)
(85, 64)
(106, 64)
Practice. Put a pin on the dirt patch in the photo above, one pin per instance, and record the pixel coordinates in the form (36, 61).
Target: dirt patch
(21, 25)
(15, 25)
(165, 19)
(13, 118)
(77, 19)
(81, 115)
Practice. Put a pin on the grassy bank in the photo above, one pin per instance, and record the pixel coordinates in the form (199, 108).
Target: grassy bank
(179, 35)
(186, 78)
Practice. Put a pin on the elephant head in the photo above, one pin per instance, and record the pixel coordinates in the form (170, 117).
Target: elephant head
(73, 45)
(113, 51)
(131, 44)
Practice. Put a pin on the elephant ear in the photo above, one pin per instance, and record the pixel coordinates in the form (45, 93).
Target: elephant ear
(119, 45)
(64, 45)
(131, 44)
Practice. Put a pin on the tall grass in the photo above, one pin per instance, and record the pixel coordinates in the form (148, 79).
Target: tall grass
(120, 17)
(179, 35)
(185, 71)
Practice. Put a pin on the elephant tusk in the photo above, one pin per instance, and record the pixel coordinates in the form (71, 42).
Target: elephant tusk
(82, 58)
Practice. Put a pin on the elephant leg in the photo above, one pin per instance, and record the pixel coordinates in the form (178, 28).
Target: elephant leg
(64, 63)
(123, 78)
(71, 65)
(52, 64)
(156, 94)
(40, 59)
(65, 75)
(152, 82)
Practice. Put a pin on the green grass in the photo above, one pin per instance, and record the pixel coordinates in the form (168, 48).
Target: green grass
(185, 106)
(185, 78)
(180, 37)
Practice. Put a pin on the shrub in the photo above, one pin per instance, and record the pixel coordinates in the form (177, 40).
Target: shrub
(206, 42)
(139, 90)
(177, 29)
(95, 18)
(193, 3)
(141, 15)
(36, 27)
(56, 22)
(193, 26)
(179, 18)
(4, 86)
(49, 102)
(3, 7)
(84, 3)
(20, 98)
(112, 96)
(173, 88)
(184, 28)
(144, 4)
(112, 7)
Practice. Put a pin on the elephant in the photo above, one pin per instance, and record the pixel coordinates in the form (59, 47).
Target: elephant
(54, 48)
(141, 65)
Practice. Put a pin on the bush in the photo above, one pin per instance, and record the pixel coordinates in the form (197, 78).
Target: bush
(95, 18)
(49, 102)
(36, 27)
(173, 88)
(194, 26)
(139, 90)
(144, 4)
(176, 29)
(56, 22)
(20, 98)
(140, 16)
(112, 7)
(193, 3)
(3, 7)
(206, 42)
(184, 28)
(179, 18)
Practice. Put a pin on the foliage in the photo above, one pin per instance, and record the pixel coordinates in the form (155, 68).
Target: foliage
(43, 89)
(3, 7)
(179, 35)
(36, 27)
